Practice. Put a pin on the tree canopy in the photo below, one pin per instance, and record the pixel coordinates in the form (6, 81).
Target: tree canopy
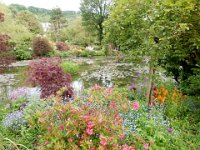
(166, 31)
(94, 13)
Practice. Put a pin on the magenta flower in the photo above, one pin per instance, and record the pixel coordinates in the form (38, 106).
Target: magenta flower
(170, 130)
(146, 146)
(132, 87)
(136, 106)
(103, 142)
(90, 124)
(89, 131)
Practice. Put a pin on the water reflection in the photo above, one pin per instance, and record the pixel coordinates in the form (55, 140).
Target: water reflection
(78, 87)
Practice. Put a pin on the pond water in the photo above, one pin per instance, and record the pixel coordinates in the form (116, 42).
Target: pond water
(104, 71)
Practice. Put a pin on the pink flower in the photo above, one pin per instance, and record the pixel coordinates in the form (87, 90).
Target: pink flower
(146, 146)
(46, 142)
(61, 127)
(131, 148)
(89, 131)
(113, 104)
(70, 139)
(49, 129)
(136, 106)
(125, 147)
(109, 91)
(96, 87)
(103, 142)
(122, 136)
(90, 124)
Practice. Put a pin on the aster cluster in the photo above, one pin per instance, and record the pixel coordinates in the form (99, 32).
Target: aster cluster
(14, 120)
(18, 93)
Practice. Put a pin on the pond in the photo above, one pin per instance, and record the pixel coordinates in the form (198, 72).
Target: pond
(104, 71)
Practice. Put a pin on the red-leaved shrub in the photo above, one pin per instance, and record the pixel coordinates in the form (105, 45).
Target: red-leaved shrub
(47, 74)
(4, 42)
(1, 17)
(41, 46)
(6, 57)
(61, 46)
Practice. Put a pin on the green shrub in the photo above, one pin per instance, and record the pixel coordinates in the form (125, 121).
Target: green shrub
(21, 54)
(88, 53)
(70, 67)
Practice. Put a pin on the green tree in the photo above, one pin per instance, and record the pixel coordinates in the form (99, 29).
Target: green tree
(158, 30)
(58, 22)
(76, 33)
(94, 13)
(18, 32)
(30, 21)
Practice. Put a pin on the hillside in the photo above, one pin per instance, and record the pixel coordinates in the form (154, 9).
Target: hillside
(42, 13)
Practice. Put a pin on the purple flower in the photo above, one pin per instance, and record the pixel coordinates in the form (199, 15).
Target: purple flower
(18, 93)
(132, 87)
(170, 130)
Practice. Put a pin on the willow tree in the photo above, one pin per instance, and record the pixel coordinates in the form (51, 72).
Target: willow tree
(94, 13)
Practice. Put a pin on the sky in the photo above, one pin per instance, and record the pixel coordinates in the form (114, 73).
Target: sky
(48, 4)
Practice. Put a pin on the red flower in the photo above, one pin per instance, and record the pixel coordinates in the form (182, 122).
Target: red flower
(61, 127)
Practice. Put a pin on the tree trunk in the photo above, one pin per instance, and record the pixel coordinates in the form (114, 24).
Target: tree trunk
(150, 85)
(100, 33)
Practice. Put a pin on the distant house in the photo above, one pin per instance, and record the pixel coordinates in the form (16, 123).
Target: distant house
(46, 26)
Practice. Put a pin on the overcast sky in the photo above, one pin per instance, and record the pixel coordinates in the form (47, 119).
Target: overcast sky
(49, 4)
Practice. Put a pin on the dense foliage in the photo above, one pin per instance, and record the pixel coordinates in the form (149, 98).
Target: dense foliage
(156, 43)
(41, 46)
(42, 13)
(30, 21)
(62, 46)
(58, 22)
(5, 46)
(167, 32)
(47, 74)
(94, 13)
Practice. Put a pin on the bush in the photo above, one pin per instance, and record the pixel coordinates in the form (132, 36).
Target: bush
(61, 46)
(47, 74)
(41, 46)
(87, 123)
(14, 121)
(6, 56)
(22, 54)
(69, 67)
(4, 42)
